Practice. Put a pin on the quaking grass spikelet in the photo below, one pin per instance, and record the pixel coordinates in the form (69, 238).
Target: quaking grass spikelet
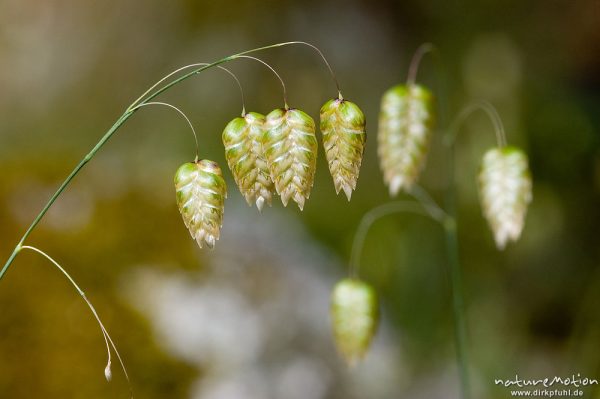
(406, 121)
(290, 147)
(201, 193)
(505, 192)
(354, 316)
(242, 139)
(343, 126)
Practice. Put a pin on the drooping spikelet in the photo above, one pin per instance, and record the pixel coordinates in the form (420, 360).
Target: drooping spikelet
(242, 139)
(505, 192)
(344, 136)
(290, 147)
(354, 316)
(201, 193)
(406, 121)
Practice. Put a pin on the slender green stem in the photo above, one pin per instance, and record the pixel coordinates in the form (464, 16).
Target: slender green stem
(460, 332)
(183, 68)
(458, 308)
(419, 208)
(225, 60)
(146, 97)
(337, 84)
(416, 61)
(467, 111)
(63, 186)
(425, 199)
(180, 113)
(285, 100)
(107, 339)
(460, 329)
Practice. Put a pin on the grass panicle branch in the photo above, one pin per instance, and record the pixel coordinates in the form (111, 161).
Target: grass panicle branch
(420, 207)
(285, 98)
(337, 84)
(458, 307)
(407, 119)
(181, 113)
(208, 231)
(154, 91)
(415, 62)
(107, 338)
(478, 105)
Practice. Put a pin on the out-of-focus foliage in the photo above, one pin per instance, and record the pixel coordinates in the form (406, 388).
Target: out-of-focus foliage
(69, 68)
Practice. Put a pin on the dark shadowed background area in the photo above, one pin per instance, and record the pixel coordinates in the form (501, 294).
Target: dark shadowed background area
(250, 319)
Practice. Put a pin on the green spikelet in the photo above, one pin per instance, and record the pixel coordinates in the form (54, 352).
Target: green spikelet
(291, 150)
(343, 126)
(242, 139)
(201, 193)
(505, 192)
(355, 316)
(406, 121)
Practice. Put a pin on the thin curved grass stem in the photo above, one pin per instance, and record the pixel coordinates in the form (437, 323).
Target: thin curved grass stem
(62, 187)
(183, 68)
(407, 206)
(452, 249)
(416, 61)
(181, 113)
(147, 96)
(421, 195)
(239, 84)
(337, 84)
(285, 98)
(450, 232)
(491, 112)
(107, 339)
(223, 61)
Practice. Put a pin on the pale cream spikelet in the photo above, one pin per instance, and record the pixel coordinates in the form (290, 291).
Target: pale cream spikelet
(406, 121)
(290, 147)
(343, 126)
(243, 141)
(354, 317)
(505, 192)
(201, 193)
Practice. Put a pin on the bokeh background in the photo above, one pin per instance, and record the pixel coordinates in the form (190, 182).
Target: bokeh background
(250, 319)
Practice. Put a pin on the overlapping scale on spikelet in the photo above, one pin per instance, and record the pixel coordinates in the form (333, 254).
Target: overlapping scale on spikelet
(505, 192)
(290, 147)
(354, 316)
(243, 141)
(343, 126)
(406, 120)
(201, 193)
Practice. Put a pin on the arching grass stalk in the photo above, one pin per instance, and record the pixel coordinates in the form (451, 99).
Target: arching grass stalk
(449, 225)
(424, 206)
(154, 91)
(354, 303)
(478, 105)
(107, 339)
(181, 113)
(285, 99)
(450, 229)
(407, 121)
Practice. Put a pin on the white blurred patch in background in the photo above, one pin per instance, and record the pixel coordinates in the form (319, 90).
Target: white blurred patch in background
(256, 321)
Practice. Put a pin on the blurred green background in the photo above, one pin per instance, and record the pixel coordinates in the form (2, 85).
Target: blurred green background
(249, 319)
